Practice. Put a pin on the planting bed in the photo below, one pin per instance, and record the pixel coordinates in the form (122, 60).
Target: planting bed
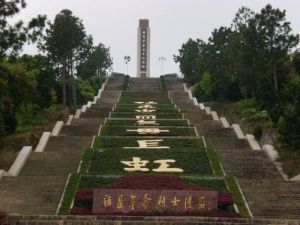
(145, 146)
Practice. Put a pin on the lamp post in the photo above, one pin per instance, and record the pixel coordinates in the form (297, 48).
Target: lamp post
(162, 59)
(127, 60)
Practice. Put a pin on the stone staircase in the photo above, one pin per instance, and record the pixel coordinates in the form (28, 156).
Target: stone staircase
(267, 194)
(38, 189)
(40, 185)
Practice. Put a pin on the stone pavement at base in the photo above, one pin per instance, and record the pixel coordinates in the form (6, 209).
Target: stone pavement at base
(266, 192)
(153, 220)
(39, 187)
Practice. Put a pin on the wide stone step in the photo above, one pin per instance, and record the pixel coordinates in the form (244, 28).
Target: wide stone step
(51, 163)
(31, 194)
(82, 127)
(71, 144)
(96, 113)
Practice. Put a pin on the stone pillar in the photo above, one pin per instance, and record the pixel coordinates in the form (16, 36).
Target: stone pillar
(143, 49)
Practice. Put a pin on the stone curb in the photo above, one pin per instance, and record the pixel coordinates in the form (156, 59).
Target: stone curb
(238, 131)
(43, 142)
(252, 142)
(20, 161)
(57, 128)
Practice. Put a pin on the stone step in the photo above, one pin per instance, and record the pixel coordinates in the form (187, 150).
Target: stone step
(96, 113)
(71, 144)
(31, 194)
(51, 164)
(82, 127)
(121, 220)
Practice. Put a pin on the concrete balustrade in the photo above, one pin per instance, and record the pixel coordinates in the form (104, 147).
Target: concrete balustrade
(43, 142)
(195, 101)
(185, 87)
(57, 128)
(190, 95)
(77, 114)
(70, 119)
(95, 99)
(215, 115)
(20, 161)
(252, 142)
(271, 152)
(207, 109)
(201, 105)
(83, 108)
(99, 93)
(4, 173)
(89, 104)
(295, 178)
(238, 131)
(224, 122)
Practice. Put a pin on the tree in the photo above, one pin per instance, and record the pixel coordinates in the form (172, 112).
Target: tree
(275, 34)
(13, 37)
(44, 71)
(289, 123)
(66, 43)
(18, 89)
(189, 58)
(296, 62)
(98, 61)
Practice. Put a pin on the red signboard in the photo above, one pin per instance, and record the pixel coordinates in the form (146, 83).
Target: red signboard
(112, 201)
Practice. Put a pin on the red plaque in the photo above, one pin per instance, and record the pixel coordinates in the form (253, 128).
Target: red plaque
(112, 201)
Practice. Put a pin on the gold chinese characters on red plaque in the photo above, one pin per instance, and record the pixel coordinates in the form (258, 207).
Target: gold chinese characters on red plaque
(106, 201)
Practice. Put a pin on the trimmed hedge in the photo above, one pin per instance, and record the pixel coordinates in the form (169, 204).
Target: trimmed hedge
(158, 115)
(237, 196)
(69, 194)
(86, 160)
(105, 142)
(161, 122)
(193, 162)
(109, 130)
(84, 197)
(159, 106)
(215, 162)
(158, 110)
(89, 182)
(126, 82)
(163, 84)
(163, 101)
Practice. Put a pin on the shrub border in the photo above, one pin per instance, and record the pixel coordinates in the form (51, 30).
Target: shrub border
(69, 193)
(238, 197)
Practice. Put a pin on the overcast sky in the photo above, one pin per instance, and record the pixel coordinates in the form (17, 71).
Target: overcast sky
(172, 22)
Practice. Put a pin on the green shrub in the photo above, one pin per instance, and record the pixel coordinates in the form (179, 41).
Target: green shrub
(257, 132)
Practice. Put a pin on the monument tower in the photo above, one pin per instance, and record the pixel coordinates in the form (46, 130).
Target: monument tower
(143, 49)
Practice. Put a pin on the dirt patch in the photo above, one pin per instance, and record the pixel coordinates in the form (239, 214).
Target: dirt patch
(13, 143)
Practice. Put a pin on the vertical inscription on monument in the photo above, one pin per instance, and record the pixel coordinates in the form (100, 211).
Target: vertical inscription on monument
(143, 59)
